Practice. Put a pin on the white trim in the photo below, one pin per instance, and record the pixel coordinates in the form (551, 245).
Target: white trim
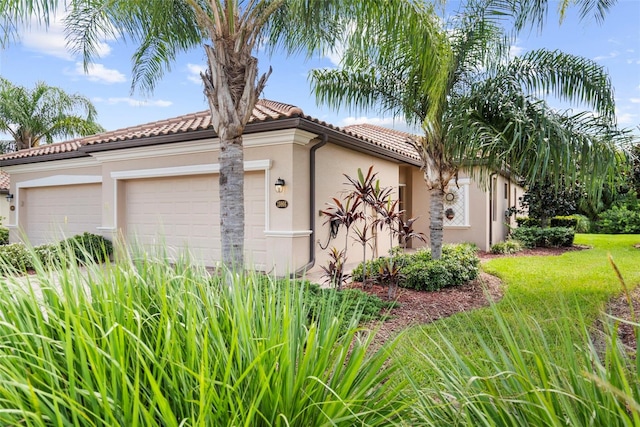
(206, 169)
(287, 233)
(187, 147)
(65, 165)
(57, 180)
(208, 145)
(466, 183)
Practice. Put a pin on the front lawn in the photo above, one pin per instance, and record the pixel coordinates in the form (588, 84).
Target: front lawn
(531, 358)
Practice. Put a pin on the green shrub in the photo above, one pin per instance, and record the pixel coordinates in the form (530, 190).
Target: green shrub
(49, 254)
(15, 257)
(89, 247)
(506, 247)
(148, 343)
(583, 224)
(427, 276)
(525, 221)
(564, 221)
(459, 264)
(4, 236)
(618, 221)
(532, 237)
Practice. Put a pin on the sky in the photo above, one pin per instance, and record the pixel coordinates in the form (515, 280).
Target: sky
(41, 55)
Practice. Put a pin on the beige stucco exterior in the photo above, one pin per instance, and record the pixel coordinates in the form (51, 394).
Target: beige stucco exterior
(168, 194)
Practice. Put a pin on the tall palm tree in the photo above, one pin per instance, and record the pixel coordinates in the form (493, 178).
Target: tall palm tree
(44, 113)
(432, 85)
(230, 32)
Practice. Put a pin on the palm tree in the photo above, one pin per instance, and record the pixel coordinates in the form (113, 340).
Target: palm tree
(432, 86)
(43, 114)
(230, 32)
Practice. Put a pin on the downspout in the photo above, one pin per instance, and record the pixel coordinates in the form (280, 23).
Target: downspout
(312, 206)
(491, 209)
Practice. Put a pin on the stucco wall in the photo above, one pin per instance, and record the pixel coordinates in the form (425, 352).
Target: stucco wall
(332, 163)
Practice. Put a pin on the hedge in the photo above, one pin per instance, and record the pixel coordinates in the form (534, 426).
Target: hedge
(551, 237)
(84, 247)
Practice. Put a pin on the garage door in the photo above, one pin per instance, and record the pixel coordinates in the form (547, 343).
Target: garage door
(52, 213)
(184, 213)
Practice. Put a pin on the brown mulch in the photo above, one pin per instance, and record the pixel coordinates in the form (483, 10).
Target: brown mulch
(418, 307)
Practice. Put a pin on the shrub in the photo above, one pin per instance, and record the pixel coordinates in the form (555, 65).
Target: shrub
(49, 255)
(15, 257)
(89, 247)
(532, 237)
(526, 221)
(506, 247)
(564, 221)
(427, 276)
(583, 224)
(618, 221)
(458, 265)
(153, 344)
(4, 236)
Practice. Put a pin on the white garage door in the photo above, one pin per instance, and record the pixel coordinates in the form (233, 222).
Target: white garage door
(52, 213)
(184, 213)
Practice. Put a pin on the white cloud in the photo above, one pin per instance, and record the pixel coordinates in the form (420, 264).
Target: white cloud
(515, 50)
(336, 54)
(134, 102)
(194, 71)
(635, 100)
(609, 56)
(627, 119)
(98, 73)
(51, 40)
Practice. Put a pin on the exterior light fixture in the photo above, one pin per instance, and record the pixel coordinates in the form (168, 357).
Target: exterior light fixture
(279, 185)
(9, 197)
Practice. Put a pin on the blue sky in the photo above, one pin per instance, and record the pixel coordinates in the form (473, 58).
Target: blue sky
(41, 56)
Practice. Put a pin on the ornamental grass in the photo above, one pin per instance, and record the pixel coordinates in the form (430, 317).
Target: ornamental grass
(148, 342)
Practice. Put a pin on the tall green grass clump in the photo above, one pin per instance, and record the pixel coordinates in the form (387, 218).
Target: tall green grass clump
(516, 381)
(145, 342)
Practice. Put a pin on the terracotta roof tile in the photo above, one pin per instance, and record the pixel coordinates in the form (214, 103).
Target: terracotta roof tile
(265, 110)
(391, 139)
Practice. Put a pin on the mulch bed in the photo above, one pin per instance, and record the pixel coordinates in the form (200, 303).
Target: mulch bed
(418, 307)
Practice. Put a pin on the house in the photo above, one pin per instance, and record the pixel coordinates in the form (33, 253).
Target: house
(157, 183)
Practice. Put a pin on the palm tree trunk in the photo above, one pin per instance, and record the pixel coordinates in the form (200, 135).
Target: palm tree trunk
(231, 181)
(436, 234)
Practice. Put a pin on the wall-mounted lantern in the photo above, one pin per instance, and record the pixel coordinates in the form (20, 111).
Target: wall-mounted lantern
(279, 185)
(9, 197)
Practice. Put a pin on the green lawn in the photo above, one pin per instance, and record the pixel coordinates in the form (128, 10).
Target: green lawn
(532, 359)
(546, 292)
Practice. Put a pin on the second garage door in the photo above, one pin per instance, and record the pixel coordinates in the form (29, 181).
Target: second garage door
(184, 213)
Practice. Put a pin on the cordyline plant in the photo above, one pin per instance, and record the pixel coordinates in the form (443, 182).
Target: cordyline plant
(343, 214)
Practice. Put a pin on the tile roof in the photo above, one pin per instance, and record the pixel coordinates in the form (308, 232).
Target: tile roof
(265, 110)
(393, 140)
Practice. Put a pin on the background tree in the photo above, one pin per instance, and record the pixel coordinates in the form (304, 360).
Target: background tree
(40, 115)
(457, 87)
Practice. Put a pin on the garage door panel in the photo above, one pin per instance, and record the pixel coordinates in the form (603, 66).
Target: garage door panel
(52, 213)
(185, 211)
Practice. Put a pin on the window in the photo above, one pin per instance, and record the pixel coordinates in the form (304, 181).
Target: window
(506, 191)
(456, 204)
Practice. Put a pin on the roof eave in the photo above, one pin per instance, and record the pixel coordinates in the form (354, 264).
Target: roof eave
(43, 158)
